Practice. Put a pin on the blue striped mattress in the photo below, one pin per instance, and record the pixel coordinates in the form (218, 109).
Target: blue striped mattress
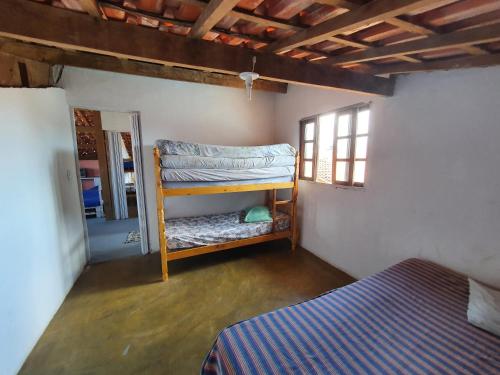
(408, 319)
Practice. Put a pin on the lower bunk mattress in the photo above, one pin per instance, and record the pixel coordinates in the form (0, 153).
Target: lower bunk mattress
(189, 232)
(408, 319)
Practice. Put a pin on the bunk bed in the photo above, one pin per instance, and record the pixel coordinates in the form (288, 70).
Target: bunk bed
(187, 169)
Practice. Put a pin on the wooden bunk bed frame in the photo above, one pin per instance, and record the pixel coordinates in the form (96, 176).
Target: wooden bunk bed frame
(273, 202)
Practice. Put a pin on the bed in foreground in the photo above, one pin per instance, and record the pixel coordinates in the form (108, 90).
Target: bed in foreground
(408, 319)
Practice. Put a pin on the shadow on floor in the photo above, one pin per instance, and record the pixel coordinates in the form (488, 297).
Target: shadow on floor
(120, 318)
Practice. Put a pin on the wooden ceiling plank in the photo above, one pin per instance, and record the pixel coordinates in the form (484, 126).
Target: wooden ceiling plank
(478, 35)
(371, 13)
(422, 30)
(251, 17)
(280, 24)
(210, 16)
(346, 4)
(55, 56)
(408, 59)
(37, 23)
(411, 27)
(217, 30)
(454, 63)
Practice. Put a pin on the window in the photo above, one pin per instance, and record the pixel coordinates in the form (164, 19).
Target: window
(333, 146)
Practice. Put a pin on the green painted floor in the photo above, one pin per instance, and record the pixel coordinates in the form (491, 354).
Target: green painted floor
(119, 318)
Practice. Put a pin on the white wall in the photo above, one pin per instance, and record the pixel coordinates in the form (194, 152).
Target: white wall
(433, 176)
(179, 111)
(116, 121)
(41, 225)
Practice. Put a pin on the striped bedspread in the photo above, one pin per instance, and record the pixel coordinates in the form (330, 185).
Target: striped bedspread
(408, 319)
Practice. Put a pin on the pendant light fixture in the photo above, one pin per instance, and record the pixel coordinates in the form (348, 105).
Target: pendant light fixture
(249, 77)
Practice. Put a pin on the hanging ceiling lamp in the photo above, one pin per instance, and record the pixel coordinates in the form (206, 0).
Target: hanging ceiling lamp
(249, 77)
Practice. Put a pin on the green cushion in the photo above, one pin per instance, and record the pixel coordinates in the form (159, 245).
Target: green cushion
(258, 214)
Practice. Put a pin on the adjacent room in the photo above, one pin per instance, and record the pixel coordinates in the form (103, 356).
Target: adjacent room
(108, 183)
(250, 187)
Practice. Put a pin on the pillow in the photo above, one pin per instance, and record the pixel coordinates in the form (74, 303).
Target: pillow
(258, 214)
(484, 307)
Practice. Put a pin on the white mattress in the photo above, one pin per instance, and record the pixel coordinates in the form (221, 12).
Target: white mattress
(189, 175)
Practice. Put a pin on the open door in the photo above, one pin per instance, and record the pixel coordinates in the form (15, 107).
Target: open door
(112, 183)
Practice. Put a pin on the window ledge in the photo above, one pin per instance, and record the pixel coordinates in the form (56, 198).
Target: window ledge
(349, 187)
(336, 186)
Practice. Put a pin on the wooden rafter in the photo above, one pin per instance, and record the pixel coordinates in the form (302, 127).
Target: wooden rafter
(371, 13)
(56, 56)
(485, 34)
(211, 14)
(453, 63)
(230, 32)
(281, 24)
(415, 28)
(29, 21)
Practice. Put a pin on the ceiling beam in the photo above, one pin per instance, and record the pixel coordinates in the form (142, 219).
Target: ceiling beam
(446, 64)
(33, 22)
(373, 12)
(56, 56)
(210, 16)
(485, 34)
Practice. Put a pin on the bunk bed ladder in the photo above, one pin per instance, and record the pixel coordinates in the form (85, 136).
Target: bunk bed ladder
(273, 202)
(160, 210)
(293, 212)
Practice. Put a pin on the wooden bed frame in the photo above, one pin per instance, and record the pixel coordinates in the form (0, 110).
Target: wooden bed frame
(272, 188)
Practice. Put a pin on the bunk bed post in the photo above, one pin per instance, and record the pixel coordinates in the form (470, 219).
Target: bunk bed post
(160, 210)
(293, 214)
(273, 208)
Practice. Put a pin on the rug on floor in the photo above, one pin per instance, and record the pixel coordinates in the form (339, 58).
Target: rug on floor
(134, 236)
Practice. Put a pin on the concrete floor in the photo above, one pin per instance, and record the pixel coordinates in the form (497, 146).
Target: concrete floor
(119, 318)
(107, 239)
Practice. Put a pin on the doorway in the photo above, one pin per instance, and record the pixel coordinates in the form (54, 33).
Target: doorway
(110, 165)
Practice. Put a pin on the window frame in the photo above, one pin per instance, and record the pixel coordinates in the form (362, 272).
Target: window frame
(303, 141)
(354, 111)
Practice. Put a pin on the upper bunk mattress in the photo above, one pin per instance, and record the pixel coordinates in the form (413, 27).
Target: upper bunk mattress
(168, 147)
(192, 162)
(408, 319)
(205, 162)
(188, 232)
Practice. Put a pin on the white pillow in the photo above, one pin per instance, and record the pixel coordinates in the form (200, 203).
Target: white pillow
(484, 307)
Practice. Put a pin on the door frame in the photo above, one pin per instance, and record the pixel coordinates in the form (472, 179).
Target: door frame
(137, 146)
